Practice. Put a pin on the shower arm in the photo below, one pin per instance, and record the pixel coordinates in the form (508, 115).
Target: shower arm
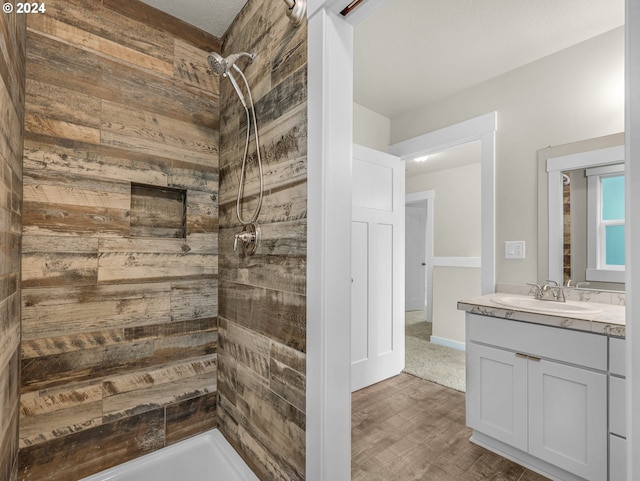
(297, 11)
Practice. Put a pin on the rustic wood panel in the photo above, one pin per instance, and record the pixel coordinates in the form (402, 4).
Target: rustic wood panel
(291, 57)
(51, 312)
(280, 262)
(174, 328)
(95, 25)
(272, 420)
(48, 60)
(195, 244)
(129, 267)
(134, 393)
(189, 417)
(11, 144)
(119, 442)
(191, 67)
(283, 148)
(151, 133)
(186, 175)
(72, 367)
(262, 323)
(77, 111)
(276, 314)
(12, 97)
(258, 448)
(120, 333)
(51, 155)
(48, 346)
(281, 205)
(194, 299)
(12, 64)
(247, 348)
(48, 414)
(287, 372)
(158, 59)
(144, 13)
(58, 261)
(202, 212)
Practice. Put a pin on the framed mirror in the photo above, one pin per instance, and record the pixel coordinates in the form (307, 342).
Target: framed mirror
(581, 219)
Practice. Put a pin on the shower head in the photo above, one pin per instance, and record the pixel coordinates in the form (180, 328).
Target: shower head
(222, 66)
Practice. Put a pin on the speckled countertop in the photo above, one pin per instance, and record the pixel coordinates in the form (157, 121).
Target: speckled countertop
(607, 314)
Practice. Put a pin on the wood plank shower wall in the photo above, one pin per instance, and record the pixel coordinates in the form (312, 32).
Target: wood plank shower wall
(119, 322)
(262, 354)
(12, 68)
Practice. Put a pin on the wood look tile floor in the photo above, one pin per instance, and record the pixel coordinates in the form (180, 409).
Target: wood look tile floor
(409, 429)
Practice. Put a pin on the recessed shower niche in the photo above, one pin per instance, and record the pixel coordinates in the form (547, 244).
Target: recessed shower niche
(158, 211)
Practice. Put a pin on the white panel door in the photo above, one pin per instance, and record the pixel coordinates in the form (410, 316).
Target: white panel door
(415, 262)
(377, 267)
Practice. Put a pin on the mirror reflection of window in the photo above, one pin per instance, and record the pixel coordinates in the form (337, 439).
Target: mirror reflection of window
(612, 220)
(606, 224)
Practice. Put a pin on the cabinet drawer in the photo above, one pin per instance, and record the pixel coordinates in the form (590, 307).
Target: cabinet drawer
(566, 345)
(617, 356)
(617, 459)
(617, 406)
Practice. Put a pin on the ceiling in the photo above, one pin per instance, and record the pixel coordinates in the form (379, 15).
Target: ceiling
(464, 154)
(213, 16)
(411, 53)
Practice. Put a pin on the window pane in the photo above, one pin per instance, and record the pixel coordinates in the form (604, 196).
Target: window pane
(613, 198)
(614, 245)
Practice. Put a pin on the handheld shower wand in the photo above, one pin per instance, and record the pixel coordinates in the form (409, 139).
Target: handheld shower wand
(223, 66)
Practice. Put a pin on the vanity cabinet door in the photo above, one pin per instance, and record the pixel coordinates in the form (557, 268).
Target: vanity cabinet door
(497, 394)
(567, 418)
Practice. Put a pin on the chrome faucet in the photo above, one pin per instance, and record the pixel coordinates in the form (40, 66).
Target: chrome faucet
(556, 291)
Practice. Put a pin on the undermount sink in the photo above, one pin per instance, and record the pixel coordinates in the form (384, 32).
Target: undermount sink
(549, 307)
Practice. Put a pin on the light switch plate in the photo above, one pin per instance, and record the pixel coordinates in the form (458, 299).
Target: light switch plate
(514, 250)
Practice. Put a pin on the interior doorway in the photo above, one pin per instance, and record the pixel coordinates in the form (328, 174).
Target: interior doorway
(419, 208)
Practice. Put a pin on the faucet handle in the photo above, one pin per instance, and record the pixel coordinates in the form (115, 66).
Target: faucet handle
(538, 289)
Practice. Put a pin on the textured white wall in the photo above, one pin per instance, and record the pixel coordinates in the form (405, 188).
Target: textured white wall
(572, 95)
(450, 284)
(370, 128)
(456, 228)
(456, 219)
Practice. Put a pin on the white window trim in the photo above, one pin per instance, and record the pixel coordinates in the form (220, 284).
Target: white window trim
(597, 270)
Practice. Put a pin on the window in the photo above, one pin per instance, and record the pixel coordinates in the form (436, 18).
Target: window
(606, 224)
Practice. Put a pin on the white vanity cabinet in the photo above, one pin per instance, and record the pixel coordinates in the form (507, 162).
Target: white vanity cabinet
(538, 395)
(617, 411)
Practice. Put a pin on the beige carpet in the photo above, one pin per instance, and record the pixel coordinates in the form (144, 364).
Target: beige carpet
(440, 364)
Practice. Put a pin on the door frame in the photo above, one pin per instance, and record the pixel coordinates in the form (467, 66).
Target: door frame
(482, 128)
(427, 197)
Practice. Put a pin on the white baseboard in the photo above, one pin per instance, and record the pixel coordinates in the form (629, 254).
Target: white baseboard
(448, 343)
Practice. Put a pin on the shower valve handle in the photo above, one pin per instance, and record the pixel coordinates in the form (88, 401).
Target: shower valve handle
(249, 238)
(244, 237)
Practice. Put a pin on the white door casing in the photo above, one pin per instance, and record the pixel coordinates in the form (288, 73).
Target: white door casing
(377, 267)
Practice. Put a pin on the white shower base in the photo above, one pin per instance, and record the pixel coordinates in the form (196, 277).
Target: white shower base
(205, 457)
